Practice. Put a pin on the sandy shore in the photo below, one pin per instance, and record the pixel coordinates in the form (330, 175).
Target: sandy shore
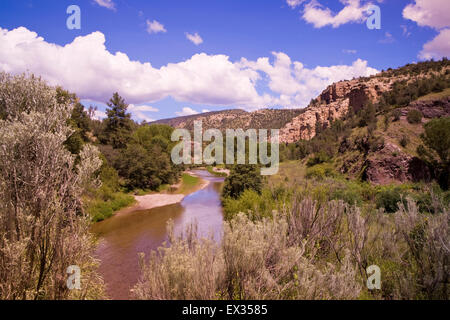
(156, 200)
(151, 201)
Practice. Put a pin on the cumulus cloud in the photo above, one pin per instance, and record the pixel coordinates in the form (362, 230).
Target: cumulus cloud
(140, 112)
(155, 27)
(433, 14)
(205, 110)
(194, 38)
(186, 111)
(109, 4)
(86, 67)
(320, 16)
(438, 47)
(430, 13)
(297, 85)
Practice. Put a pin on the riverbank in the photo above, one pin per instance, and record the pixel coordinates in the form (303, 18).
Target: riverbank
(190, 183)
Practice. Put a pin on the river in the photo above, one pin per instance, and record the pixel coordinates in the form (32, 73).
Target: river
(123, 236)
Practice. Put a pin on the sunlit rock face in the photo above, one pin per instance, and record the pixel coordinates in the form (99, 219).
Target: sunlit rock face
(334, 103)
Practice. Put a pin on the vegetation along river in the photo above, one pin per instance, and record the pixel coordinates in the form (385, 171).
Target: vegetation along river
(124, 236)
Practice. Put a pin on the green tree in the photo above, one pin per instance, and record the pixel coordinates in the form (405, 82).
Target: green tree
(414, 116)
(367, 115)
(118, 124)
(241, 178)
(436, 148)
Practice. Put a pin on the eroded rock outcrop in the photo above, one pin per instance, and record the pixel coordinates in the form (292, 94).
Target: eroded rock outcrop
(333, 103)
(436, 108)
(391, 164)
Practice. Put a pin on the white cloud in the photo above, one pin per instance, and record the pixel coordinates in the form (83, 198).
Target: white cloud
(430, 13)
(109, 4)
(186, 111)
(155, 27)
(205, 110)
(433, 14)
(142, 108)
(140, 112)
(438, 47)
(320, 16)
(194, 38)
(99, 115)
(297, 85)
(349, 51)
(294, 3)
(86, 67)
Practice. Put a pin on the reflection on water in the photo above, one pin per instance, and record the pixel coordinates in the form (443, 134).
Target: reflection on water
(123, 237)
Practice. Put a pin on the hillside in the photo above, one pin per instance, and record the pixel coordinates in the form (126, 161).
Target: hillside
(226, 119)
(370, 129)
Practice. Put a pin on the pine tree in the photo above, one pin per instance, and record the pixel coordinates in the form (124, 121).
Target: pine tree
(118, 124)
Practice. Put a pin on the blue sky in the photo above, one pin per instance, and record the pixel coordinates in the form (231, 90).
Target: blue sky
(223, 71)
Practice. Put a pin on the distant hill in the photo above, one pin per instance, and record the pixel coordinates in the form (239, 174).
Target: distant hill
(236, 118)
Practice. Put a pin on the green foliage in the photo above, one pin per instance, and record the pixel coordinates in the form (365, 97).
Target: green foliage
(414, 116)
(367, 115)
(437, 138)
(436, 148)
(389, 197)
(102, 209)
(403, 92)
(118, 124)
(321, 171)
(143, 168)
(218, 174)
(241, 178)
(188, 183)
(318, 158)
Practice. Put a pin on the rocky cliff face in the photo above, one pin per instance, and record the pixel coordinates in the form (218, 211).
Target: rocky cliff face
(391, 164)
(334, 103)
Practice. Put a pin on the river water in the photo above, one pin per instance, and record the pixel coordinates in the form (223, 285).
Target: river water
(122, 237)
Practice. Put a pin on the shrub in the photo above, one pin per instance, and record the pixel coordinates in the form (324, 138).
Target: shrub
(436, 149)
(404, 141)
(321, 171)
(255, 260)
(103, 208)
(389, 198)
(241, 178)
(188, 269)
(414, 116)
(396, 114)
(318, 158)
(43, 228)
(309, 251)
